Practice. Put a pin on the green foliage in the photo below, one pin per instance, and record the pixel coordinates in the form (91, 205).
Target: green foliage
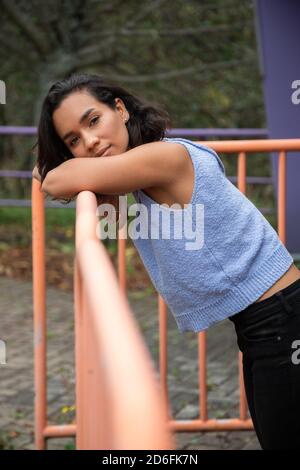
(70, 445)
(6, 441)
(55, 217)
(199, 60)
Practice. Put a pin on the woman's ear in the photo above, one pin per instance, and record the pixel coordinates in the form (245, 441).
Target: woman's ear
(120, 106)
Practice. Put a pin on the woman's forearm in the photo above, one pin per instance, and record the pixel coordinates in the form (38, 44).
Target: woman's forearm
(73, 176)
(59, 182)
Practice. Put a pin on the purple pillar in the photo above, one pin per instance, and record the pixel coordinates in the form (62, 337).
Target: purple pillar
(278, 34)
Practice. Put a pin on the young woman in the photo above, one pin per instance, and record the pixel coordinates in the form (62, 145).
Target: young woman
(97, 136)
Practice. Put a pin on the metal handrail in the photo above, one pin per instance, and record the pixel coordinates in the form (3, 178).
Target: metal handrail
(118, 400)
(97, 281)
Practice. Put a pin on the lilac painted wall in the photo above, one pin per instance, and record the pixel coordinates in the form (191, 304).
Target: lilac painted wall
(278, 34)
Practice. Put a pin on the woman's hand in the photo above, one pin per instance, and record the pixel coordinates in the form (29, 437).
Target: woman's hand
(57, 181)
(36, 174)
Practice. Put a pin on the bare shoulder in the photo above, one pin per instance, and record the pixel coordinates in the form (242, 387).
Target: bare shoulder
(169, 156)
(167, 148)
(174, 160)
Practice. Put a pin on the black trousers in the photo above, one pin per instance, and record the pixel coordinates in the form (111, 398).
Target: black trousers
(268, 334)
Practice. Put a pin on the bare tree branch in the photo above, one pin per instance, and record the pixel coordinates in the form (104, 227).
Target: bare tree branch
(8, 45)
(26, 26)
(47, 18)
(203, 68)
(86, 55)
(149, 6)
(167, 32)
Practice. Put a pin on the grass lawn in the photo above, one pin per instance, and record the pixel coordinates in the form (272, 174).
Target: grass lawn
(61, 217)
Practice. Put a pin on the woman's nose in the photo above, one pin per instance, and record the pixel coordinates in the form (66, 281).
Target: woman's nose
(91, 141)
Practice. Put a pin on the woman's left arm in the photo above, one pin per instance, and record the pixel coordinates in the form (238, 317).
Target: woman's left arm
(36, 174)
(153, 164)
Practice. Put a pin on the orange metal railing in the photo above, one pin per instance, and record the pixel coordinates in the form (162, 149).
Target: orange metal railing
(118, 400)
(241, 147)
(99, 338)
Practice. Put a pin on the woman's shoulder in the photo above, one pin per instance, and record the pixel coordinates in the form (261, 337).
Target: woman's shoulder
(190, 144)
(197, 149)
(167, 150)
(174, 159)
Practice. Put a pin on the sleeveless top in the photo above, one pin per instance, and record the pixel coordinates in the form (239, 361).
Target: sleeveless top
(214, 257)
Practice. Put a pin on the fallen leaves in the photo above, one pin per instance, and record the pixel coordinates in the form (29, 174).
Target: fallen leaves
(16, 261)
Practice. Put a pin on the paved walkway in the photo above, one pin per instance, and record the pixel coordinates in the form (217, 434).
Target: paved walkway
(17, 391)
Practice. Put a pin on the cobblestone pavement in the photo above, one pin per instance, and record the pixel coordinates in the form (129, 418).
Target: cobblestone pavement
(17, 391)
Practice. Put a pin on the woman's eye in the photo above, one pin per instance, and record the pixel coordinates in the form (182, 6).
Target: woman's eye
(94, 121)
(73, 142)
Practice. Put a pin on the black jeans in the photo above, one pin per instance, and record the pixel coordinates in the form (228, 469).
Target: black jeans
(268, 334)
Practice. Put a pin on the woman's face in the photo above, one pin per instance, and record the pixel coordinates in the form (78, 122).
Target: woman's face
(88, 127)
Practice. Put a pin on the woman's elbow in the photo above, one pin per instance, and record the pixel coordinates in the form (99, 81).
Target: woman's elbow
(56, 188)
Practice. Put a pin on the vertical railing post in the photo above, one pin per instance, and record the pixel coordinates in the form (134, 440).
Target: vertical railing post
(163, 351)
(39, 311)
(79, 350)
(242, 178)
(202, 375)
(282, 196)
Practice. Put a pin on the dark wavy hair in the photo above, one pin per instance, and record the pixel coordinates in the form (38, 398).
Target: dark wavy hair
(148, 121)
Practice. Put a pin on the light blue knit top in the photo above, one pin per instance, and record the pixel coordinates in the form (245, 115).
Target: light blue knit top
(233, 256)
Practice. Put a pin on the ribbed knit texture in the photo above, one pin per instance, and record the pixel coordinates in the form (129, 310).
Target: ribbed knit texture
(240, 259)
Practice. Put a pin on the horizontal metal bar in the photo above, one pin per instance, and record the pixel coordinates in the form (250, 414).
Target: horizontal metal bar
(16, 174)
(215, 132)
(254, 179)
(28, 174)
(255, 145)
(18, 130)
(201, 132)
(72, 205)
(27, 203)
(211, 425)
(63, 430)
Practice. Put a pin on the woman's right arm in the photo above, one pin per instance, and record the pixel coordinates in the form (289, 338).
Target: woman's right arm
(154, 164)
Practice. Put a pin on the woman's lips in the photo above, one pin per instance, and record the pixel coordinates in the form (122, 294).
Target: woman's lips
(102, 154)
(106, 153)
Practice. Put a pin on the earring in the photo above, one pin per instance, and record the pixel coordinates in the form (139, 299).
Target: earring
(126, 119)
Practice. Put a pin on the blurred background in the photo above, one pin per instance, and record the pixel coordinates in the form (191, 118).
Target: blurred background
(201, 60)
(198, 59)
